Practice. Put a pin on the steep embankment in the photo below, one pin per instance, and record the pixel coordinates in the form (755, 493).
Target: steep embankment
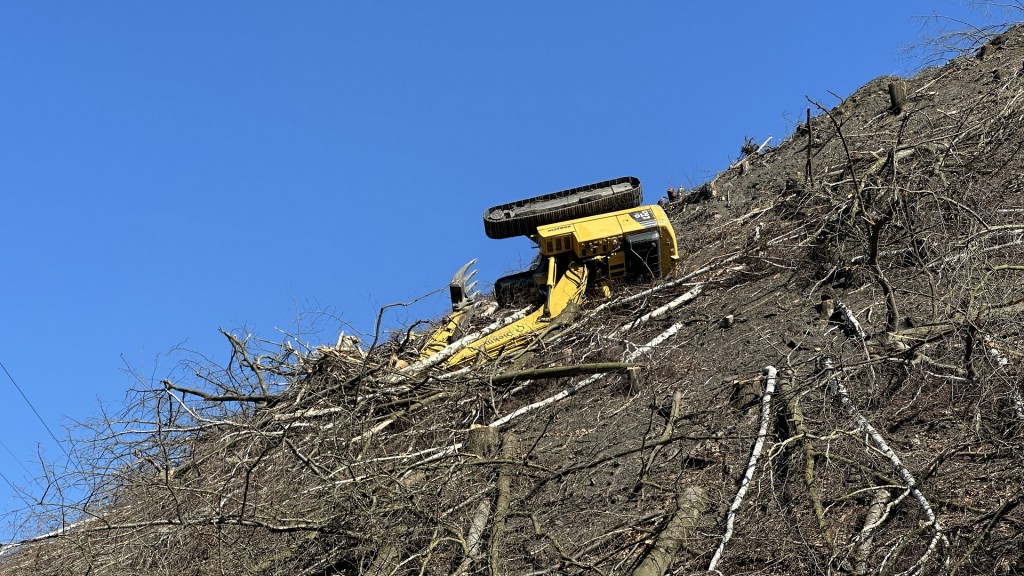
(834, 384)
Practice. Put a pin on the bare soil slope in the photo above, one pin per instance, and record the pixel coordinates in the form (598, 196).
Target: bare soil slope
(832, 384)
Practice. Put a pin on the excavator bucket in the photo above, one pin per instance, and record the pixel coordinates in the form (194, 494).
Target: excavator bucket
(463, 297)
(462, 285)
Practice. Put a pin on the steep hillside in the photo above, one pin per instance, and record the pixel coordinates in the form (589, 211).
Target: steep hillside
(831, 384)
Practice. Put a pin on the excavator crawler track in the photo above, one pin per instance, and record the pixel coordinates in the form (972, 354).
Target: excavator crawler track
(522, 217)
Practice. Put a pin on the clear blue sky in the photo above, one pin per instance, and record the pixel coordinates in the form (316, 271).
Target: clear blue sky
(168, 168)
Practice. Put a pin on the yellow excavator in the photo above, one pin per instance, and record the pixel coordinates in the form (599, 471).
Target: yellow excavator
(589, 238)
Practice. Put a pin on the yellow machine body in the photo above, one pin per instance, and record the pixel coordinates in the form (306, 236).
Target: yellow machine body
(605, 238)
(594, 250)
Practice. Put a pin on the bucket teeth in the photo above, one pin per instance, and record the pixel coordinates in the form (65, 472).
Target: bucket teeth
(462, 285)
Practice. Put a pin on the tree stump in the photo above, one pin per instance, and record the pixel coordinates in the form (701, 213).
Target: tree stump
(745, 393)
(482, 441)
(897, 96)
(636, 380)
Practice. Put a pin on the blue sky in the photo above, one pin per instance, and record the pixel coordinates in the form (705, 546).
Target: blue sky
(170, 168)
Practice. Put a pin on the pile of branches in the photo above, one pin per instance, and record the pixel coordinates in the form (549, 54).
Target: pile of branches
(832, 384)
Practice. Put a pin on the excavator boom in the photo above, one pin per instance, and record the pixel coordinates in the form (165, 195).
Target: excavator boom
(516, 336)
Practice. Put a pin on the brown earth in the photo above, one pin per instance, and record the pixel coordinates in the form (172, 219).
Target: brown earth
(858, 327)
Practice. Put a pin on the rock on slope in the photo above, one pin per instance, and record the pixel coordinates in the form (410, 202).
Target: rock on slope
(840, 391)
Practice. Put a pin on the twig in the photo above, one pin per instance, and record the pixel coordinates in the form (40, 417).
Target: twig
(677, 400)
(168, 385)
(380, 316)
(1005, 508)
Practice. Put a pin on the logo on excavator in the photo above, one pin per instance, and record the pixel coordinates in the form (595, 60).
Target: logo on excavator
(644, 217)
(515, 330)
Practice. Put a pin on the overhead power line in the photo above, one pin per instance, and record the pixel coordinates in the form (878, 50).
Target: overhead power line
(36, 412)
(28, 473)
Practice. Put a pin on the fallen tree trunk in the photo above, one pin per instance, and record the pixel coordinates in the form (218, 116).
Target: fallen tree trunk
(796, 420)
(690, 505)
(730, 518)
(561, 372)
(690, 295)
(876, 514)
(449, 350)
(502, 501)
(839, 389)
(657, 288)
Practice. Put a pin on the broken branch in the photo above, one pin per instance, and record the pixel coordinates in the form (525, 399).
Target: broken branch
(766, 399)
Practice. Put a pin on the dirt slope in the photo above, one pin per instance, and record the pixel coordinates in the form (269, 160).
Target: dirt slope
(853, 318)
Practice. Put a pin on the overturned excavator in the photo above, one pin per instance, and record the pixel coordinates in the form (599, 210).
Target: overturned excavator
(589, 239)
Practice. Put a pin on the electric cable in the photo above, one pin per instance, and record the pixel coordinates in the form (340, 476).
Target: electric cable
(36, 412)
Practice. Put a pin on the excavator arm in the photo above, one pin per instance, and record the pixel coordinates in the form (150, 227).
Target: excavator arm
(569, 289)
